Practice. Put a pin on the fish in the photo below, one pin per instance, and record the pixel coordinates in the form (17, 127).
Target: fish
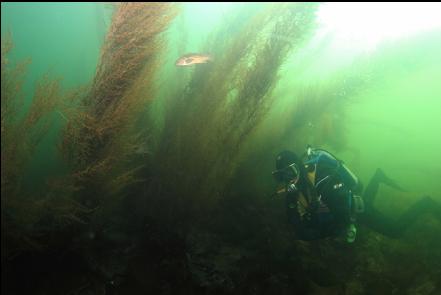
(193, 58)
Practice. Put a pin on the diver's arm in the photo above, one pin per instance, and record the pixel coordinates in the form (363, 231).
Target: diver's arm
(303, 230)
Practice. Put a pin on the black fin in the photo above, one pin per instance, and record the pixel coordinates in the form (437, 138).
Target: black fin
(387, 181)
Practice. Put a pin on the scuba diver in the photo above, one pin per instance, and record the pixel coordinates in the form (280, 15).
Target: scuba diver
(323, 198)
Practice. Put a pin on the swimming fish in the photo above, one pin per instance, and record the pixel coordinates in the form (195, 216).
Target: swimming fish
(193, 58)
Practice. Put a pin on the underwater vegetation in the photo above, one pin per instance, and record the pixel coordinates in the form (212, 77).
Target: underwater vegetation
(98, 138)
(168, 171)
(207, 122)
(102, 137)
(23, 214)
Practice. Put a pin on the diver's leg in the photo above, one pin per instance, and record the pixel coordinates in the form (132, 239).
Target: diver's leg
(379, 222)
(422, 206)
(372, 187)
(395, 228)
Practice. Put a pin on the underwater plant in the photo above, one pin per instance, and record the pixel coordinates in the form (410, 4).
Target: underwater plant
(99, 140)
(208, 122)
(25, 213)
(102, 141)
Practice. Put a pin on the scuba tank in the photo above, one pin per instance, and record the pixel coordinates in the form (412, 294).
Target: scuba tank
(338, 167)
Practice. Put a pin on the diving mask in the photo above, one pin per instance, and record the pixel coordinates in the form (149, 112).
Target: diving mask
(290, 173)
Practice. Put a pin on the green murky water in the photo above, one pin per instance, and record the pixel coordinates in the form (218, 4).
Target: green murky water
(376, 96)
